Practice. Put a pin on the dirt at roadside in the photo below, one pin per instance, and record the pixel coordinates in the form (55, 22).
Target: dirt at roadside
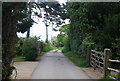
(93, 74)
(24, 69)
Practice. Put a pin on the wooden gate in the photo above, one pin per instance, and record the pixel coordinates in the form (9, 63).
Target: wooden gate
(102, 61)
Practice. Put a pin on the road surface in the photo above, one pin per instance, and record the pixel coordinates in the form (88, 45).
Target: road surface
(57, 66)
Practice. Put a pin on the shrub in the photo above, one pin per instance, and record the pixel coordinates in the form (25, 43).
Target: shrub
(64, 50)
(41, 46)
(30, 48)
(47, 47)
(19, 47)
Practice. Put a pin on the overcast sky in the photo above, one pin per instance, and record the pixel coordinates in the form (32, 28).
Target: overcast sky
(39, 29)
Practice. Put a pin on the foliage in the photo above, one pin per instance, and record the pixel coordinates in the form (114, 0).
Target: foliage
(60, 40)
(116, 48)
(93, 24)
(19, 59)
(54, 41)
(30, 48)
(19, 46)
(24, 25)
(77, 61)
(54, 13)
(47, 47)
(41, 46)
(64, 29)
(6, 72)
(106, 79)
(67, 43)
(62, 37)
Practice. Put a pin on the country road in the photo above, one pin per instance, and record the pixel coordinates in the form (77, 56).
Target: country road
(57, 66)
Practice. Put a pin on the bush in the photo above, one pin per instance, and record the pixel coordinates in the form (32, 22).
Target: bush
(19, 47)
(41, 46)
(47, 47)
(87, 42)
(64, 50)
(30, 48)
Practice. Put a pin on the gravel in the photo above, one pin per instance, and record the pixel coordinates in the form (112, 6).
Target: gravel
(24, 69)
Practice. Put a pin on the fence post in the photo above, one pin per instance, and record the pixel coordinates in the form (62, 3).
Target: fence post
(88, 56)
(106, 61)
(95, 61)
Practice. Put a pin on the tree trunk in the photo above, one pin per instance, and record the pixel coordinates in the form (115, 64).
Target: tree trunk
(9, 39)
(28, 33)
(30, 6)
(46, 34)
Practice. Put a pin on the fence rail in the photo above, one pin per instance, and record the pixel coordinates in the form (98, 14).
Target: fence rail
(102, 61)
(115, 70)
(117, 61)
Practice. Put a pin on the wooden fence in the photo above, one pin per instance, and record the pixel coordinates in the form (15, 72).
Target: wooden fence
(102, 61)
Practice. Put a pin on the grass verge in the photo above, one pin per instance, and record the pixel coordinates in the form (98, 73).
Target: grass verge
(77, 61)
(47, 47)
(107, 79)
(116, 76)
(60, 48)
(19, 59)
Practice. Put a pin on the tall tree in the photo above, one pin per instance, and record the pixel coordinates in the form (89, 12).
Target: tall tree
(63, 36)
(46, 24)
(28, 31)
(52, 12)
(14, 16)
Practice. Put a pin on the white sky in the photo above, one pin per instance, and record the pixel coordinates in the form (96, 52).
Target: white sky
(39, 29)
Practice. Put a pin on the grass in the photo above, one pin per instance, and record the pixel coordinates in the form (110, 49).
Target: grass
(47, 47)
(107, 79)
(19, 59)
(77, 61)
(60, 48)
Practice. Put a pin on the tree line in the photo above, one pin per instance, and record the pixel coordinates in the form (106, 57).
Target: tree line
(94, 25)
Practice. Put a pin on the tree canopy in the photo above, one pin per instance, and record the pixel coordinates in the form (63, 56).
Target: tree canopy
(93, 24)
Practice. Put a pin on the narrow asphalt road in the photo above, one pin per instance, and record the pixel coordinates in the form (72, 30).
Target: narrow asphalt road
(57, 66)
